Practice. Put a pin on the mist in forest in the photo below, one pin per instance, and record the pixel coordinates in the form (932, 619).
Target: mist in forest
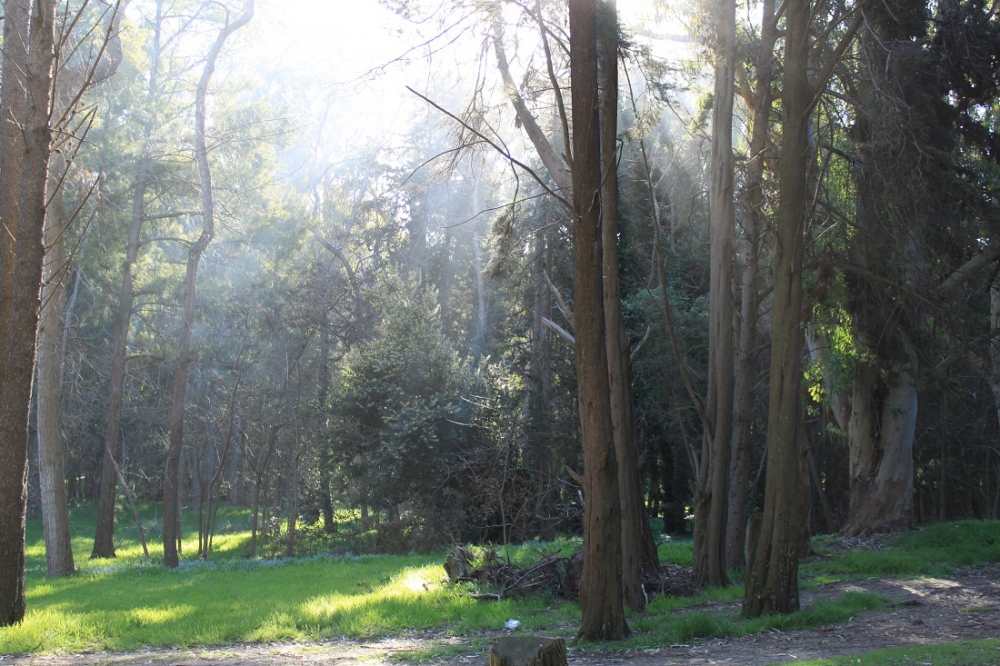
(327, 261)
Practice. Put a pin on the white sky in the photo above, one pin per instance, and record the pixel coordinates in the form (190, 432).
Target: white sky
(326, 51)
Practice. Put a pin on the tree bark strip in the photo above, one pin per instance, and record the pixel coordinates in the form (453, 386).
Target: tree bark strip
(603, 615)
(21, 317)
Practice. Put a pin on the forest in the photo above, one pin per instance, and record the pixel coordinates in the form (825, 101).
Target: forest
(525, 270)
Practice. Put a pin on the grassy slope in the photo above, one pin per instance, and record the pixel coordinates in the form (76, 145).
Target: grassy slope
(126, 603)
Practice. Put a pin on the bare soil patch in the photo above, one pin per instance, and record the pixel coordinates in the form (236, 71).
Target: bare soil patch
(922, 611)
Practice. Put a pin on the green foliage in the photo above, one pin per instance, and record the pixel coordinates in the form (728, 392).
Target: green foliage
(398, 421)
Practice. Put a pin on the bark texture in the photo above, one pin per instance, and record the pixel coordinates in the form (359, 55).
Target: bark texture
(603, 616)
(51, 459)
(25, 277)
(772, 573)
(13, 453)
(740, 448)
(712, 492)
(638, 548)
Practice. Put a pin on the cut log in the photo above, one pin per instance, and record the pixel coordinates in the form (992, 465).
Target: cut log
(528, 651)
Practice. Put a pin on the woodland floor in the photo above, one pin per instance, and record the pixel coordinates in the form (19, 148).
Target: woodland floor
(922, 611)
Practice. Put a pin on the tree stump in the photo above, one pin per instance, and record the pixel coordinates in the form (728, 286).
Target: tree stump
(528, 651)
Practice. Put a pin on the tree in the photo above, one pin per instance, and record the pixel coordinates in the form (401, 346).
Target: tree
(772, 584)
(638, 549)
(711, 503)
(104, 545)
(601, 586)
(171, 476)
(71, 83)
(30, 52)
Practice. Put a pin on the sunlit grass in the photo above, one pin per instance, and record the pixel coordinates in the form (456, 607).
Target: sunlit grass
(128, 602)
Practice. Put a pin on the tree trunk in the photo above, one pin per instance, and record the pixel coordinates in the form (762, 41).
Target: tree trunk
(772, 574)
(71, 82)
(23, 276)
(51, 459)
(638, 549)
(171, 480)
(603, 616)
(881, 435)
(104, 543)
(712, 493)
(740, 448)
(13, 453)
(539, 398)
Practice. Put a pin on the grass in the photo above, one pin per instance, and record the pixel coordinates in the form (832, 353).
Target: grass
(934, 550)
(963, 653)
(127, 603)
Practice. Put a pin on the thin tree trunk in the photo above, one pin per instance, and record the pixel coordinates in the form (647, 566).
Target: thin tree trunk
(171, 477)
(71, 83)
(603, 615)
(104, 544)
(772, 574)
(23, 277)
(740, 449)
(51, 459)
(712, 493)
(538, 398)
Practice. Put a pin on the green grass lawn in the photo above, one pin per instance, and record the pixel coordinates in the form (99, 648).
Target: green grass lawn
(127, 603)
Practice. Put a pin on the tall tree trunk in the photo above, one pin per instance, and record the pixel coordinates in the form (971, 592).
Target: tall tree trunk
(772, 574)
(13, 454)
(23, 275)
(71, 82)
(171, 477)
(104, 537)
(712, 493)
(603, 615)
(740, 448)
(638, 549)
(51, 460)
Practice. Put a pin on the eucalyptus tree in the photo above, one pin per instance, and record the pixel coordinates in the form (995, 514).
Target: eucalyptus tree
(772, 571)
(711, 503)
(26, 95)
(919, 68)
(601, 586)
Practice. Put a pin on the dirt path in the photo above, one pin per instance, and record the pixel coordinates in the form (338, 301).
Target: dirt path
(926, 610)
